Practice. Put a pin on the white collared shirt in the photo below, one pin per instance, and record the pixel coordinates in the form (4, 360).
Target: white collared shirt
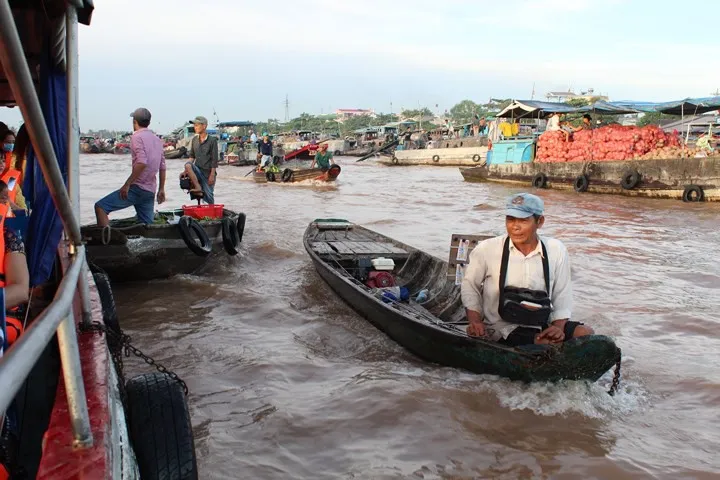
(481, 283)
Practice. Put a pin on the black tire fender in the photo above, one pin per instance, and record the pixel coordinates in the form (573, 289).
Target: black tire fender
(693, 193)
(187, 225)
(240, 226)
(337, 153)
(109, 310)
(630, 179)
(476, 158)
(160, 428)
(436, 158)
(287, 175)
(581, 183)
(395, 160)
(270, 176)
(229, 236)
(539, 180)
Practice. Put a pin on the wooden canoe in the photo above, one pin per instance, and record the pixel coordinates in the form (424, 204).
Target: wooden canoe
(290, 175)
(435, 329)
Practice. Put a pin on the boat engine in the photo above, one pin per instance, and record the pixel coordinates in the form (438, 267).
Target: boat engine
(380, 279)
(186, 184)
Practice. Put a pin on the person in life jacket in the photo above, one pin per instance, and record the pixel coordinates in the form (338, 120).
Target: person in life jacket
(517, 287)
(10, 175)
(14, 275)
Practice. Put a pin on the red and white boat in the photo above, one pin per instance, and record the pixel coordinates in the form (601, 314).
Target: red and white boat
(70, 414)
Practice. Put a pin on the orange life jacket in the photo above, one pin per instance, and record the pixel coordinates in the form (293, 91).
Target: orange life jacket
(13, 325)
(11, 177)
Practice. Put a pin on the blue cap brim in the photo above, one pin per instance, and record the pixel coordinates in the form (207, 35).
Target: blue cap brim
(517, 213)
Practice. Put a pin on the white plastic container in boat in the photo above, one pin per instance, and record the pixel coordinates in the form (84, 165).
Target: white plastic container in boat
(383, 263)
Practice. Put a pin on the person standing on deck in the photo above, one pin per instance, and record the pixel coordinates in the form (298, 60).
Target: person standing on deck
(148, 160)
(517, 288)
(202, 169)
(265, 149)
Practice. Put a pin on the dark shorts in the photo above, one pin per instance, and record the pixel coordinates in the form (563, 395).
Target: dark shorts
(526, 335)
(142, 200)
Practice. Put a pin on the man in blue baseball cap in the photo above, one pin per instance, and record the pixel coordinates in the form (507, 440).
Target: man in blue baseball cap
(517, 287)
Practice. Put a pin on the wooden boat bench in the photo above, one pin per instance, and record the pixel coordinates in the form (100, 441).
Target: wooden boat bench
(337, 237)
(353, 249)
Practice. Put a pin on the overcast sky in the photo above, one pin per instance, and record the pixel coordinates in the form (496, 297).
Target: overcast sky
(182, 58)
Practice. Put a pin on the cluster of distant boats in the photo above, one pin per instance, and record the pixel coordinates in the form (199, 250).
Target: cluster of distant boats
(506, 151)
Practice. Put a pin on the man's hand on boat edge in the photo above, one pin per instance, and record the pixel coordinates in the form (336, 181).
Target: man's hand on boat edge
(476, 327)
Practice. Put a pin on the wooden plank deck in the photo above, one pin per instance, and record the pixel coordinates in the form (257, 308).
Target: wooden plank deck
(321, 247)
(357, 248)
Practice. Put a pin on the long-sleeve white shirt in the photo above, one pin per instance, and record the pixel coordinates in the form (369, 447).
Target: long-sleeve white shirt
(481, 283)
(553, 124)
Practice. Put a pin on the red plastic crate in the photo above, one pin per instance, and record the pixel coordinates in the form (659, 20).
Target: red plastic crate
(201, 211)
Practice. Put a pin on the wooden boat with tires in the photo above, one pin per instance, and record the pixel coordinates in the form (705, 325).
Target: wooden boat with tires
(434, 329)
(293, 175)
(613, 159)
(131, 251)
(686, 179)
(66, 409)
(175, 153)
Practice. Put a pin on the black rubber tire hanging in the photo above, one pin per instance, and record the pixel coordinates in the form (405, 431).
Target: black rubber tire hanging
(581, 183)
(160, 428)
(693, 193)
(539, 180)
(630, 179)
(187, 225)
(229, 236)
(240, 226)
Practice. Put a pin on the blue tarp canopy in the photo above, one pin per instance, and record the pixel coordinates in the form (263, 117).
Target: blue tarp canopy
(687, 106)
(690, 106)
(534, 109)
(638, 107)
(235, 124)
(607, 108)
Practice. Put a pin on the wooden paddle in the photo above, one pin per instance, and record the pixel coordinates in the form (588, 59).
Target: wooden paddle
(383, 147)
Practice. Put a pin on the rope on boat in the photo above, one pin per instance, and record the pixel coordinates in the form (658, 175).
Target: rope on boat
(109, 234)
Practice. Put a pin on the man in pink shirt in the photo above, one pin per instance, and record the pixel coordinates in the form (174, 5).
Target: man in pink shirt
(148, 158)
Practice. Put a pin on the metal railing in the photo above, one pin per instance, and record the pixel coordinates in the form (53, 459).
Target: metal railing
(58, 316)
(20, 359)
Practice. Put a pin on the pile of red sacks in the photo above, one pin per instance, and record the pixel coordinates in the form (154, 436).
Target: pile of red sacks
(613, 142)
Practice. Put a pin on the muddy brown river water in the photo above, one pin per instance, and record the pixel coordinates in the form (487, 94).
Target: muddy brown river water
(287, 382)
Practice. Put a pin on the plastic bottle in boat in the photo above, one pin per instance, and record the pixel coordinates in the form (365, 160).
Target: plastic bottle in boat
(422, 296)
(394, 294)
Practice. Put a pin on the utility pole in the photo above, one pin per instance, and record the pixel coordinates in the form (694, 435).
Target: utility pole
(716, 93)
(532, 95)
(287, 109)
